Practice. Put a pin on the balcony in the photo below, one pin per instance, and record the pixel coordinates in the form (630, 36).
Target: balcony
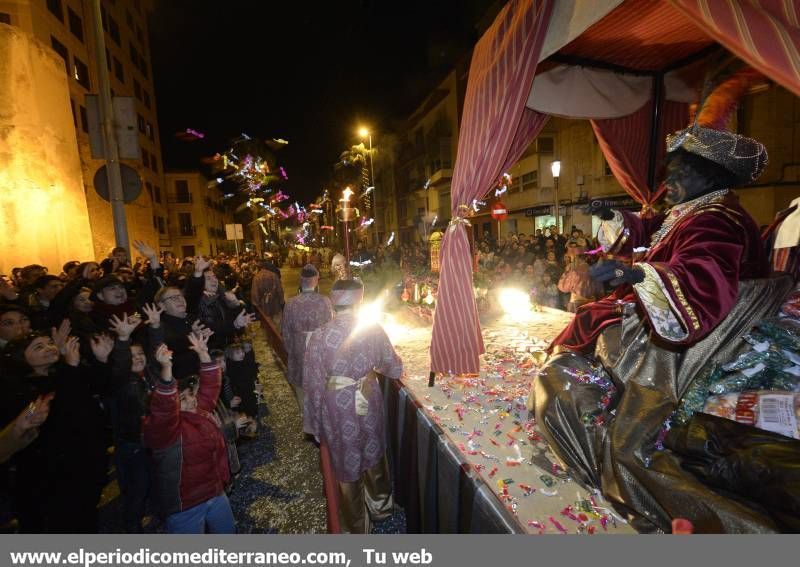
(187, 231)
(180, 199)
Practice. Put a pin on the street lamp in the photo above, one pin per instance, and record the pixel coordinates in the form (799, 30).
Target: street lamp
(555, 168)
(365, 133)
(347, 212)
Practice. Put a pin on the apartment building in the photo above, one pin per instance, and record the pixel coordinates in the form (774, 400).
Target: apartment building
(197, 216)
(65, 26)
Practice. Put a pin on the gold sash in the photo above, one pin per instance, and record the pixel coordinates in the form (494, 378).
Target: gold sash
(364, 384)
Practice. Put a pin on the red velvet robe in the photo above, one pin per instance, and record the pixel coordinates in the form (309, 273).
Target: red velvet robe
(691, 275)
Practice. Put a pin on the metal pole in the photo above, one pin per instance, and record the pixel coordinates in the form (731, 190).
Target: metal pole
(555, 199)
(374, 195)
(109, 138)
(346, 247)
(655, 119)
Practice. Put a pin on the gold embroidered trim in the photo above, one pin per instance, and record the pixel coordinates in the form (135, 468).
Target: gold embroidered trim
(652, 290)
(682, 298)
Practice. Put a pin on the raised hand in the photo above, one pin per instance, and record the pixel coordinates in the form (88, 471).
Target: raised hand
(200, 330)
(164, 356)
(124, 326)
(102, 345)
(153, 313)
(230, 296)
(200, 265)
(26, 426)
(61, 335)
(145, 249)
(72, 352)
(243, 319)
(199, 344)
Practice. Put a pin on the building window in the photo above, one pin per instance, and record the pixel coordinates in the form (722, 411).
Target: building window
(119, 70)
(75, 24)
(157, 193)
(61, 49)
(5, 18)
(56, 9)
(161, 228)
(545, 145)
(185, 224)
(140, 121)
(108, 61)
(137, 89)
(84, 119)
(153, 163)
(81, 73)
(151, 132)
(113, 31)
(155, 222)
(129, 18)
(145, 158)
(134, 53)
(146, 99)
(530, 180)
(103, 17)
(182, 194)
(74, 114)
(149, 187)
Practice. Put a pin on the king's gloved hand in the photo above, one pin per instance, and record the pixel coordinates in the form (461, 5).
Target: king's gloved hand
(616, 273)
(598, 208)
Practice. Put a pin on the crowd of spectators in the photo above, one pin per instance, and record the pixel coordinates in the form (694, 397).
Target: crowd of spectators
(552, 266)
(142, 368)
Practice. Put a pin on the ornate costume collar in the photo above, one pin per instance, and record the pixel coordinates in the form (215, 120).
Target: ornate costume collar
(682, 210)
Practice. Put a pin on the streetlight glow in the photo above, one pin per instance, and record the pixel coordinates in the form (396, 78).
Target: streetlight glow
(347, 193)
(363, 132)
(555, 167)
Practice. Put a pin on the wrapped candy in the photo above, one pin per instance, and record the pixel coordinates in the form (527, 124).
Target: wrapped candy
(776, 411)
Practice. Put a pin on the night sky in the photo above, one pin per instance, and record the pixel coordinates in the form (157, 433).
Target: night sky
(307, 72)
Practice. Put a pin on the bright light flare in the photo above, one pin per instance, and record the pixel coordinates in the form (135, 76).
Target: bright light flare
(371, 313)
(516, 304)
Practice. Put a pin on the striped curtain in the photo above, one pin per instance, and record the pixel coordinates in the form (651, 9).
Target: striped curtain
(495, 130)
(625, 143)
(763, 33)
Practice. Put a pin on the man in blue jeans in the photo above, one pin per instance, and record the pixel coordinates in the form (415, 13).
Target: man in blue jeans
(189, 453)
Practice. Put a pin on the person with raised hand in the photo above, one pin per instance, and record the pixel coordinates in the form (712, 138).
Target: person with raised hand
(129, 391)
(169, 322)
(61, 473)
(25, 428)
(189, 452)
(220, 311)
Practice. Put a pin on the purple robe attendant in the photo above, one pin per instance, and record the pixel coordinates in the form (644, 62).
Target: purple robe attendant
(343, 348)
(302, 315)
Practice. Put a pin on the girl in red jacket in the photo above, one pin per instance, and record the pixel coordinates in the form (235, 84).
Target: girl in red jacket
(189, 454)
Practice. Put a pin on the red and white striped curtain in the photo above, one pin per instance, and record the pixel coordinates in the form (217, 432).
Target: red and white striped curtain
(495, 130)
(625, 143)
(763, 33)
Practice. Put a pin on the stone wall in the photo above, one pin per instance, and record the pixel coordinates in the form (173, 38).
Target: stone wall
(43, 212)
